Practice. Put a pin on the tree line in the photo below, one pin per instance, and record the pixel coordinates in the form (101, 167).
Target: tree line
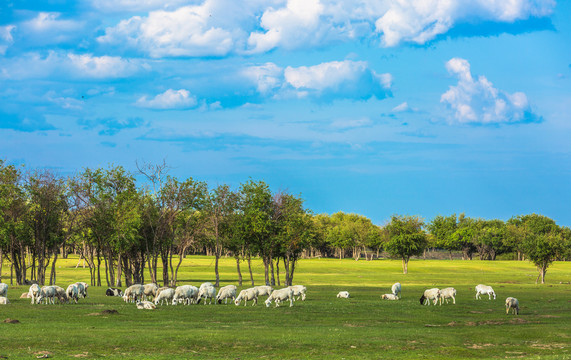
(129, 232)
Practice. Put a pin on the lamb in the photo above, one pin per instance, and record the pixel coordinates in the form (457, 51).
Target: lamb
(483, 290)
(3, 289)
(113, 292)
(264, 290)
(159, 291)
(299, 291)
(133, 293)
(343, 294)
(448, 293)
(389, 297)
(72, 292)
(145, 305)
(34, 293)
(206, 291)
(25, 295)
(4, 300)
(246, 295)
(184, 294)
(150, 290)
(430, 294)
(395, 289)
(47, 293)
(280, 295)
(512, 303)
(226, 292)
(164, 295)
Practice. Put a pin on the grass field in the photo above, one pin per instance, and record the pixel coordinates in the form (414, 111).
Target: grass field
(320, 327)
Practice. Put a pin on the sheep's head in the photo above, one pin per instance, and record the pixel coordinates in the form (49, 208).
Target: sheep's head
(384, 296)
(268, 302)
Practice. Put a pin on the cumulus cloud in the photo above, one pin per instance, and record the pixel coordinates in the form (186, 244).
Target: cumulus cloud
(68, 65)
(325, 81)
(170, 99)
(419, 21)
(478, 101)
(136, 5)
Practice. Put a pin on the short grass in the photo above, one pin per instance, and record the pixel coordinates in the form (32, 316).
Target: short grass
(320, 327)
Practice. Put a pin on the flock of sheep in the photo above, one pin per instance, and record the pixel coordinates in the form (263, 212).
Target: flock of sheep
(438, 295)
(150, 295)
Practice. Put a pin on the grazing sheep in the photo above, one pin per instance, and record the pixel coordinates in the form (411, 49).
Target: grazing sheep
(389, 297)
(448, 293)
(225, 293)
(165, 295)
(61, 295)
(25, 296)
(4, 300)
(147, 305)
(3, 289)
(34, 293)
(159, 291)
(133, 293)
(206, 291)
(47, 293)
(150, 290)
(113, 292)
(72, 292)
(395, 289)
(264, 290)
(246, 295)
(280, 295)
(82, 289)
(299, 291)
(512, 303)
(343, 294)
(483, 290)
(430, 294)
(185, 294)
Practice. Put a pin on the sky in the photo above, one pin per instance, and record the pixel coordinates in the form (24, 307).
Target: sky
(411, 107)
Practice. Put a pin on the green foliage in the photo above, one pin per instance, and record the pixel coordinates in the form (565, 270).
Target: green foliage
(406, 238)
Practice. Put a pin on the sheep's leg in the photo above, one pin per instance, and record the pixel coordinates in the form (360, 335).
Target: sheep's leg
(290, 303)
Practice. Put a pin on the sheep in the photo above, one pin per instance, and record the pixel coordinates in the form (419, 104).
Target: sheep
(389, 297)
(430, 294)
(61, 294)
(47, 293)
(34, 293)
(246, 295)
(226, 292)
(280, 295)
(483, 290)
(184, 294)
(512, 303)
(206, 291)
(25, 295)
(3, 289)
(264, 290)
(72, 292)
(113, 292)
(299, 291)
(150, 290)
(82, 289)
(159, 291)
(166, 295)
(133, 293)
(147, 305)
(395, 289)
(343, 294)
(448, 293)
(4, 300)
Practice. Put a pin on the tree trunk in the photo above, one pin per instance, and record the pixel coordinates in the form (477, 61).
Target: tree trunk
(1, 263)
(405, 265)
(119, 273)
(250, 268)
(216, 269)
(450, 254)
(273, 279)
(239, 272)
(286, 263)
(278, 270)
(53, 271)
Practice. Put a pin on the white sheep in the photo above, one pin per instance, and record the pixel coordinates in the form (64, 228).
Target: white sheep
(512, 303)
(343, 294)
(61, 294)
(34, 293)
(3, 289)
(483, 290)
(72, 292)
(246, 295)
(150, 290)
(147, 305)
(207, 291)
(133, 293)
(299, 291)
(4, 300)
(280, 295)
(389, 297)
(82, 289)
(448, 293)
(264, 290)
(396, 288)
(47, 293)
(225, 293)
(185, 294)
(166, 294)
(430, 294)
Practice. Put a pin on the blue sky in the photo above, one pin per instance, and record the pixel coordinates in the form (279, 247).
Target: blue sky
(375, 107)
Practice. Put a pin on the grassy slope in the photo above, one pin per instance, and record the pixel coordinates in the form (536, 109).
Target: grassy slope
(322, 326)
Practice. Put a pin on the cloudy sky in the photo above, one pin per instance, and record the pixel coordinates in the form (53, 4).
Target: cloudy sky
(418, 107)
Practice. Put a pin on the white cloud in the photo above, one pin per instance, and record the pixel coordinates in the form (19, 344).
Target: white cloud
(420, 21)
(478, 101)
(401, 108)
(6, 38)
(170, 99)
(68, 65)
(351, 123)
(48, 22)
(136, 5)
(267, 77)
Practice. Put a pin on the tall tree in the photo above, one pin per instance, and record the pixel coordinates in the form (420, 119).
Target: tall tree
(407, 238)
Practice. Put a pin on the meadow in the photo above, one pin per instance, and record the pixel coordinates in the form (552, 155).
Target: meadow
(362, 327)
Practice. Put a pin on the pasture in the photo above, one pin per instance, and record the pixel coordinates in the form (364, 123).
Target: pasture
(320, 327)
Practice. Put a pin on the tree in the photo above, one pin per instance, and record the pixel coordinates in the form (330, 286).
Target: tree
(442, 229)
(406, 238)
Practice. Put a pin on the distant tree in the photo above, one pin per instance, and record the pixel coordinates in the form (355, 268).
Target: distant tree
(406, 238)
(462, 238)
(442, 229)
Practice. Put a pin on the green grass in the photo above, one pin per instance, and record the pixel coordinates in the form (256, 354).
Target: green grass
(321, 327)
